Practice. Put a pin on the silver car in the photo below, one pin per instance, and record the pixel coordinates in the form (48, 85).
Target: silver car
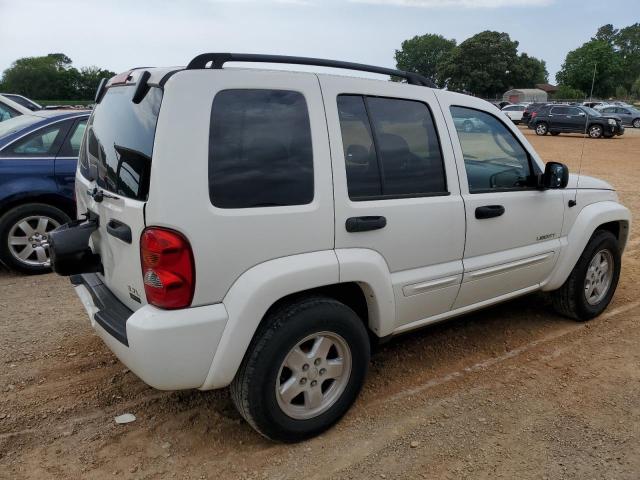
(628, 115)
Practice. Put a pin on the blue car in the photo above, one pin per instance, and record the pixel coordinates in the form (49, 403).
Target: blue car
(38, 156)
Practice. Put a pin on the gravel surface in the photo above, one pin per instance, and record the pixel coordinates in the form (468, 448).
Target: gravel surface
(514, 391)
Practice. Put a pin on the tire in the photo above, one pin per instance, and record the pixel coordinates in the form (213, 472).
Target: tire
(29, 215)
(555, 134)
(595, 131)
(571, 300)
(636, 123)
(542, 128)
(265, 371)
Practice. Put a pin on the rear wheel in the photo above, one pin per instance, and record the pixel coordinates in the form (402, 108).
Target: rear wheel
(542, 128)
(636, 123)
(593, 280)
(24, 236)
(303, 369)
(595, 131)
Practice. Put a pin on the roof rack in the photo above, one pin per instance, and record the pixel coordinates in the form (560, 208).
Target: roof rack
(217, 60)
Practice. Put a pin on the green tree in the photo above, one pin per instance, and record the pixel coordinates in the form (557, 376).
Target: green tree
(425, 54)
(568, 93)
(488, 64)
(606, 33)
(51, 77)
(635, 88)
(627, 45)
(528, 71)
(578, 67)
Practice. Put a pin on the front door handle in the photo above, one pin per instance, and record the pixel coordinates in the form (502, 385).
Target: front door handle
(119, 230)
(364, 224)
(489, 211)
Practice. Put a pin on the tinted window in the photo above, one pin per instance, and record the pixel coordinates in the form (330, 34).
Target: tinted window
(560, 111)
(574, 111)
(391, 148)
(260, 151)
(121, 135)
(493, 158)
(363, 173)
(41, 143)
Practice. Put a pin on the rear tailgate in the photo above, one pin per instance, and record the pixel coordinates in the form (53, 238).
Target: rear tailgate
(113, 181)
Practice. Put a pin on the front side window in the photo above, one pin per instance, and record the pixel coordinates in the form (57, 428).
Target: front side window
(493, 157)
(260, 151)
(42, 143)
(391, 148)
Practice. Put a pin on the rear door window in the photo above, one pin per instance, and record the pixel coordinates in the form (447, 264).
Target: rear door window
(71, 145)
(260, 151)
(118, 150)
(391, 148)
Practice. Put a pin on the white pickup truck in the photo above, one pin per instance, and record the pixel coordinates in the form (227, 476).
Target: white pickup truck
(261, 229)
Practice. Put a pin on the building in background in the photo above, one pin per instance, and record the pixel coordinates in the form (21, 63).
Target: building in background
(519, 95)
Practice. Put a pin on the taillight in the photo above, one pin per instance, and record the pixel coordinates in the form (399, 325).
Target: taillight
(168, 271)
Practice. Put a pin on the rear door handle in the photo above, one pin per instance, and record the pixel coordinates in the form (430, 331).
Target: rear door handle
(364, 224)
(119, 230)
(489, 211)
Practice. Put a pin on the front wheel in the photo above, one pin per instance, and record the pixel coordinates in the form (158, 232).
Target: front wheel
(542, 128)
(303, 369)
(593, 280)
(595, 131)
(636, 123)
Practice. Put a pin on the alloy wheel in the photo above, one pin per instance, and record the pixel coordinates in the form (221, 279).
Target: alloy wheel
(313, 375)
(29, 239)
(599, 277)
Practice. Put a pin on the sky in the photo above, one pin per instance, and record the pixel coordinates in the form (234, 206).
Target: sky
(121, 34)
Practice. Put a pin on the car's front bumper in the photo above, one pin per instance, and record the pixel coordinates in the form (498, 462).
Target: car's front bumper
(167, 349)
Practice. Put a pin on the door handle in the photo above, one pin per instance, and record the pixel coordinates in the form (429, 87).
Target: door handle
(119, 230)
(489, 211)
(364, 224)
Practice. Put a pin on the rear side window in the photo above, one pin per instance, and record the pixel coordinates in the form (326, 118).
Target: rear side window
(42, 143)
(391, 148)
(117, 149)
(260, 152)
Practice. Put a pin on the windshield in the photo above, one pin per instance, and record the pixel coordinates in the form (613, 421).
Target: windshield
(119, 141)
(17, 123)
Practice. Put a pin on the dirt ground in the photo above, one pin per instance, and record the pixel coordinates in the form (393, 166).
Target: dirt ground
(514, 391)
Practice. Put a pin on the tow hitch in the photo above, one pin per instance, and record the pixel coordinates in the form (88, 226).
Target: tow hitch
(69, 249)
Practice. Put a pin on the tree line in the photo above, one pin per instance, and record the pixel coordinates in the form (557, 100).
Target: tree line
(52, 77)
(488, 64)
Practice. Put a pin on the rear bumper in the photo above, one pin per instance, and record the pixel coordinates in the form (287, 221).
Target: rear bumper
(167, 349)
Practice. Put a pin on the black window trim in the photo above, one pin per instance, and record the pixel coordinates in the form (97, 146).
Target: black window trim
(533, 166)
(369, 198)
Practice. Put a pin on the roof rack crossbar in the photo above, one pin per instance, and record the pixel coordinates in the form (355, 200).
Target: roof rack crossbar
(217, 60)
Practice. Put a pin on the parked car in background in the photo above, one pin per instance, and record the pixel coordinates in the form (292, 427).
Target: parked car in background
(38, 157)
(556, 119)
(628, 115)
(514, 112)
(24, 101)
(593, 104)
(10, 109)
(529, 110)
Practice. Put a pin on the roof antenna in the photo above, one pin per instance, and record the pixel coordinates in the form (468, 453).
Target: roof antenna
(574, 202)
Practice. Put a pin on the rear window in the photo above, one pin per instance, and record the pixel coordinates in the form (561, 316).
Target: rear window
(118, 145)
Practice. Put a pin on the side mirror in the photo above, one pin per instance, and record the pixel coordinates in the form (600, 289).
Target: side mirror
(556, 175)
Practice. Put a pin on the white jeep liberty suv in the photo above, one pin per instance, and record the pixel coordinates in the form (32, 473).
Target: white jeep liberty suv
(260, 228)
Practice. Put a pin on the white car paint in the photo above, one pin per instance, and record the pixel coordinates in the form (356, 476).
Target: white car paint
(433, 261)
(514, 112)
